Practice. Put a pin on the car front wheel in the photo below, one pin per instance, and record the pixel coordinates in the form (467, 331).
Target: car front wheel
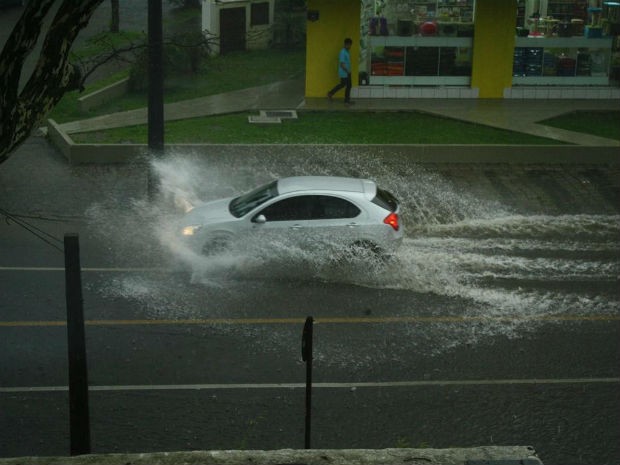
(216, 246)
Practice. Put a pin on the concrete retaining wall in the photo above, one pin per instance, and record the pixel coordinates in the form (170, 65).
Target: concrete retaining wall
(416, 153)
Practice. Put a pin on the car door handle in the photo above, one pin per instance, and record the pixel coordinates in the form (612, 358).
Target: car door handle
(353, 225)
(295, 226)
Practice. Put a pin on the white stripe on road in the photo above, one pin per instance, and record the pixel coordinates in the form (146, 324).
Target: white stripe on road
(393, 384)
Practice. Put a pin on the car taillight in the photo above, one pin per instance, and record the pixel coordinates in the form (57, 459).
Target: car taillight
(392, 220)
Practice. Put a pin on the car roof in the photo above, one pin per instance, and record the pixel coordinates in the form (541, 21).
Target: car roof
(327, 183)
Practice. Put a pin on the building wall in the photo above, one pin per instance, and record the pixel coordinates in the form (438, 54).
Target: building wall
(494, 40)
(338, 19)
(257, 37)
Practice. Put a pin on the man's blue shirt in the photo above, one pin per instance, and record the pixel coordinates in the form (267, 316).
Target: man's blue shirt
(345, 58)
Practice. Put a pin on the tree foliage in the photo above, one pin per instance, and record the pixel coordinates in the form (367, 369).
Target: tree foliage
(21, 108)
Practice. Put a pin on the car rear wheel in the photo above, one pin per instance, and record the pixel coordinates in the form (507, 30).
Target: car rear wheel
(365, 248)
(363, 251)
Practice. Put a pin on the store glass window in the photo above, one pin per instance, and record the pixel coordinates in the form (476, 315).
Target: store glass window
(566, 42)
(426, 42)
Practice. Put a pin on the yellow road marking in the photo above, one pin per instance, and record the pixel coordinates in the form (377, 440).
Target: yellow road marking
(318, 320)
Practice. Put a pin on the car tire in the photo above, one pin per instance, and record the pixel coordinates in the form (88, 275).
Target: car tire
(362, 251)
(365, 248)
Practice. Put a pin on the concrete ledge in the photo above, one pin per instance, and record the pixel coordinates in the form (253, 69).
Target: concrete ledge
(94, 99)
(59, 138)
(80, 154)
(477, 455)
(416, 153)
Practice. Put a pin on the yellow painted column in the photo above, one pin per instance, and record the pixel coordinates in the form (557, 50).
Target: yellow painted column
(494, 41)
(337, 20)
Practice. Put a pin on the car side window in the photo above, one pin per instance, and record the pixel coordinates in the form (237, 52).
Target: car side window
(310, 207)
(329, 208)
(291, 209)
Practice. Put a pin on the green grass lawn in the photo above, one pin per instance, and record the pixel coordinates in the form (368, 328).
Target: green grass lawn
(598, 123)
(234, 71)
(316, 127)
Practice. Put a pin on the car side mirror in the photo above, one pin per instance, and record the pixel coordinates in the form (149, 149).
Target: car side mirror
(260, 219)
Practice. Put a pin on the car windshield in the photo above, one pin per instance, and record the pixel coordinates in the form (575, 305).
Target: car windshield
(245, 203)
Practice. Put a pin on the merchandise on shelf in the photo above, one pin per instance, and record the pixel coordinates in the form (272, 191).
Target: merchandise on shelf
(423, 11)
(566, 66)
(567, 9)
(550, 64)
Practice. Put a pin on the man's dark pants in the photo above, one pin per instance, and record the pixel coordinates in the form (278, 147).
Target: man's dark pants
(344, 82)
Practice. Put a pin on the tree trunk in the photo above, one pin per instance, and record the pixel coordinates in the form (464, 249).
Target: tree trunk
(53, 74)
(116, 18)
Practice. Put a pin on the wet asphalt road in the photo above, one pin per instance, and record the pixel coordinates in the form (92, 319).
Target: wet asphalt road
(498, 322)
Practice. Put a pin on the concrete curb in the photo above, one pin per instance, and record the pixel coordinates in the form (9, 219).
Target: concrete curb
(59, 139)
(458, 456)
(78, 154)
(105, 94)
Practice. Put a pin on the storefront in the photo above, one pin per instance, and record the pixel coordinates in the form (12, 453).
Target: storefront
(468, 48)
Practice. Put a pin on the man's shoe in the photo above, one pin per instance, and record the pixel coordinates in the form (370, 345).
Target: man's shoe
(329, 96)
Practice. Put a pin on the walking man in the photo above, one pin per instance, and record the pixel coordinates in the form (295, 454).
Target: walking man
(344, 72)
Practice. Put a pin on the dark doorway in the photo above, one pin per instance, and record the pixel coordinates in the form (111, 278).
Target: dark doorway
(232, 29)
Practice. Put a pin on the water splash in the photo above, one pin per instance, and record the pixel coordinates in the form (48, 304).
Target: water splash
(508, 270)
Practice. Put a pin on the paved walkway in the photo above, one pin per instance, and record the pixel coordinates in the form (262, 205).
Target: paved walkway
(515, 115)
(280, 95)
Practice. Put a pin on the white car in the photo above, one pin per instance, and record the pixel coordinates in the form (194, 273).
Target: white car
(307, 210)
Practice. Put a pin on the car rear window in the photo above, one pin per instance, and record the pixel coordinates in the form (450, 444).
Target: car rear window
(385, 200)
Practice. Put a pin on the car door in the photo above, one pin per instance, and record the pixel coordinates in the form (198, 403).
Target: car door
(309, 221)
(335, 220)
(284, 221)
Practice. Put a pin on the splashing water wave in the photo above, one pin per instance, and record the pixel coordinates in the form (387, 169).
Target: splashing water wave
(479, 251)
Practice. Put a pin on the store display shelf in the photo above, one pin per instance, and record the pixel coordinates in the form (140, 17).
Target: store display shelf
(563, 42)
(417, 41)
(421, 80)
(561, 80)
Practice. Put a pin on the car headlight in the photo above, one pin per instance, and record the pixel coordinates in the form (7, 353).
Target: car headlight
(191, 230)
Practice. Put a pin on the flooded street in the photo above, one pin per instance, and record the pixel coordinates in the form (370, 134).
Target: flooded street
(512, 246)
(496, 322)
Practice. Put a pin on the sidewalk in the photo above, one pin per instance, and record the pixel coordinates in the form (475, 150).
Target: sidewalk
(509, 114)
(276, 96)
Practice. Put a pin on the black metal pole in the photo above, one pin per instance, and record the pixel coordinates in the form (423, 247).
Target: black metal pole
(156, 90)
(156, 77)
(306, 353)
(78, 372)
